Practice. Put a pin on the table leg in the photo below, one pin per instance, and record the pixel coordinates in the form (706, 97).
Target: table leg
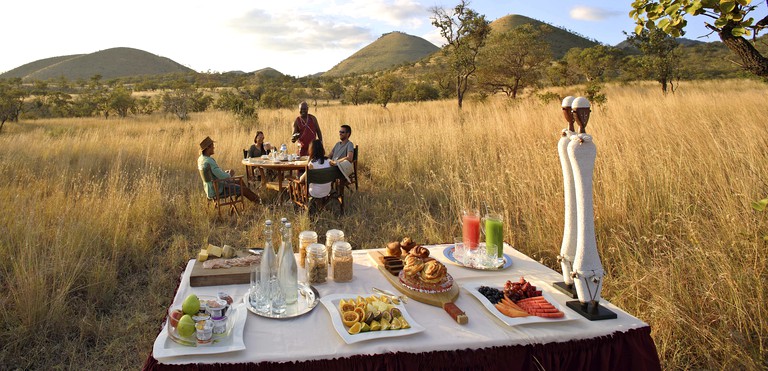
(263, 175)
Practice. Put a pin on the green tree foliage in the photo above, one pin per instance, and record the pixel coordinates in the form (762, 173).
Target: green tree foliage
(661, 58)
(185, 99)
(121, 101)
(465, 32)
(385, 88)
(593, 64)
(11, 100)
(731, 22)
(514, 60)
(334, 88)
(419, 92)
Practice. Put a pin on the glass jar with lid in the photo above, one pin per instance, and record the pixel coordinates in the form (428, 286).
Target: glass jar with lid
(331, 237)
(306, 238)
(341, 263)
(317, 263)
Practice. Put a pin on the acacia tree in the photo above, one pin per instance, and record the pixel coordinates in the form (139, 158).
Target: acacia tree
(660, 57)
(731, 23)
(385, 87)
(11, 100)
(465, 31)
(513, 60)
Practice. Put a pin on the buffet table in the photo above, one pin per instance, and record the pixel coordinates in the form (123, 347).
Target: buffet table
(484, 343)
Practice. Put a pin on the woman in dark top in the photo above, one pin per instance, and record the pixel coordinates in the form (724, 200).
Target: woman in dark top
(259, 148)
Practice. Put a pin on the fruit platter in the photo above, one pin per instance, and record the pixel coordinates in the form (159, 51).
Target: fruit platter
(359, 318)
(205, 325)
(519, 302)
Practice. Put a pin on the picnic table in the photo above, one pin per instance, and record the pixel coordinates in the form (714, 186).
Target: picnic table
(280, 167)
(485, 342)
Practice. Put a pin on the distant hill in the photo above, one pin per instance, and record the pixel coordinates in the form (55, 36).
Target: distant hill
(109, 63)
(391, 49)
(560, 40)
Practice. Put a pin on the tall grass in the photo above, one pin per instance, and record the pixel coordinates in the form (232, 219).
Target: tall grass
(98, 218)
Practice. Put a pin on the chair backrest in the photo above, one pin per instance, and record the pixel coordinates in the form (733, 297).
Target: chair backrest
(325, 175)
(354, 156)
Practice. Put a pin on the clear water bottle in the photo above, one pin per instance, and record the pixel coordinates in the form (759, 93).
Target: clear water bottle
(288, 273)
(269, 263)
(283, 150)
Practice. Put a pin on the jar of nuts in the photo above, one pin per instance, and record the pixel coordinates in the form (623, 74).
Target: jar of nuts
(316, 263)
(341, 264)
(331, 237)
(306, 238)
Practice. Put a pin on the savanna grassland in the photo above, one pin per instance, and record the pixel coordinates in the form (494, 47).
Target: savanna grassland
(98, 218)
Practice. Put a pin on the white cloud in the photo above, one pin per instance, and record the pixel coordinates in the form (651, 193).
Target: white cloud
(585, 13)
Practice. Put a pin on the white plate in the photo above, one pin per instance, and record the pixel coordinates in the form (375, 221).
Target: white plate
(331, 302)
(165, 347)
(472, 287)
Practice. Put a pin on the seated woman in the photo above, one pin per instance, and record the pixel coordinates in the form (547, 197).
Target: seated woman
(259, 147)
(317, 160)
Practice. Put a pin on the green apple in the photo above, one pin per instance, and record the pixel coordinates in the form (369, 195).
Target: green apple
(191, 305)
(186, 326)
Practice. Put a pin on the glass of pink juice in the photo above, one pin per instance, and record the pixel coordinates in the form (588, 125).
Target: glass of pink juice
(470, 228)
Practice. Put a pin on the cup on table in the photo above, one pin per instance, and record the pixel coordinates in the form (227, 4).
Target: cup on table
(470, 228)
(459, 249)
(493, 229)
(276, 296)
(258, 293)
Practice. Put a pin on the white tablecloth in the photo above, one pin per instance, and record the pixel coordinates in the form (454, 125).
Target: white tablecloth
(312, 336)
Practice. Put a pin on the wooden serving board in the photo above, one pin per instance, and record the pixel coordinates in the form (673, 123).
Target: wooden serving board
(437, 299)
(214, 277)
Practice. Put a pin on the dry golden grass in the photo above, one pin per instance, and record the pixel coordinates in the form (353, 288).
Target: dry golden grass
(98, 218)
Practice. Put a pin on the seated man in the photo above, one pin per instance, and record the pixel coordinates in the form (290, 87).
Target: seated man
(344, 148)
(207, 147)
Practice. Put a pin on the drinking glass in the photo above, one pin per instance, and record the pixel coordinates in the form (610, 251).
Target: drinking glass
(258, 293)
(493, 229)
(470, 228)
(277, 297)
(459, 250)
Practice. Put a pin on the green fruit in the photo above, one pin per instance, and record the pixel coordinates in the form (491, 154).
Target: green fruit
(186, 326)
(191, 304)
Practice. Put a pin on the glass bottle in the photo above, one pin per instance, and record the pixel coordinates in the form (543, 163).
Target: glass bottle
(279, 250)
(341, 264)
(268, 258)
(288, 272)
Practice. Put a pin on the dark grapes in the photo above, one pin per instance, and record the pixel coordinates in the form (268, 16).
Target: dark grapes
(493, 295)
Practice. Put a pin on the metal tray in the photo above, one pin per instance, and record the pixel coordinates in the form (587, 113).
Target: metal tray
(308, 300)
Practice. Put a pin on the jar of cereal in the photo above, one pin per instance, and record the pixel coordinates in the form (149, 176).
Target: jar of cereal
(331, 237)
(317, 263)
(341, 264)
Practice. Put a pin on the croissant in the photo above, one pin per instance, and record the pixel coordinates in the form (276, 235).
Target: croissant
(433, 271)
(407, 244)
(420, 251)
(413, 265)
(393, 249)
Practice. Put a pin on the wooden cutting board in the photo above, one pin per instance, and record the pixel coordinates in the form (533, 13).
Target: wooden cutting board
(214, 277)
(438, 299)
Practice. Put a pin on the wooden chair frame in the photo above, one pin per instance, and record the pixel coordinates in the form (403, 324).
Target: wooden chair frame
(228, 199)
(299, 190)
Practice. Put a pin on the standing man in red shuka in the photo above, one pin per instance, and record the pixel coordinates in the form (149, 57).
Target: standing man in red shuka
(305, 129)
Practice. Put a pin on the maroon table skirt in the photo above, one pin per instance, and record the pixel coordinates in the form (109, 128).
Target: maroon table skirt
(631, 350)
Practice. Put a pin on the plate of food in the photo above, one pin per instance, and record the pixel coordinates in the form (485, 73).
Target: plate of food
(448, 252)
(215, 327)
(357, 318)
(519, 303)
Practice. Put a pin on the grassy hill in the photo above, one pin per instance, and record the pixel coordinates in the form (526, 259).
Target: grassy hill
(109, 63)
(560, 40)
(389, 50)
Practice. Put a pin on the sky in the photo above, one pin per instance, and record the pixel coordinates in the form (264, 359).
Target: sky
(297, 38)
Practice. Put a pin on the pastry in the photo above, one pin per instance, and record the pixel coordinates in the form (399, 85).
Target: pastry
(413, 265)
(393, 249)
(420, 252)
(433, 272)
(407, 244)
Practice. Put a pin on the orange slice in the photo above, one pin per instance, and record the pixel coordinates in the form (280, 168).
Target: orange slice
(350, 318)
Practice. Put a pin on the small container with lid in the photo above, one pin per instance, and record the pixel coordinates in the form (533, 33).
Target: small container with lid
(306, 238)
(331, 237)
(341, 264)
(317, 263)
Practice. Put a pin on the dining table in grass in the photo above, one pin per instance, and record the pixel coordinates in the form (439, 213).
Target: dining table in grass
(280, 167)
